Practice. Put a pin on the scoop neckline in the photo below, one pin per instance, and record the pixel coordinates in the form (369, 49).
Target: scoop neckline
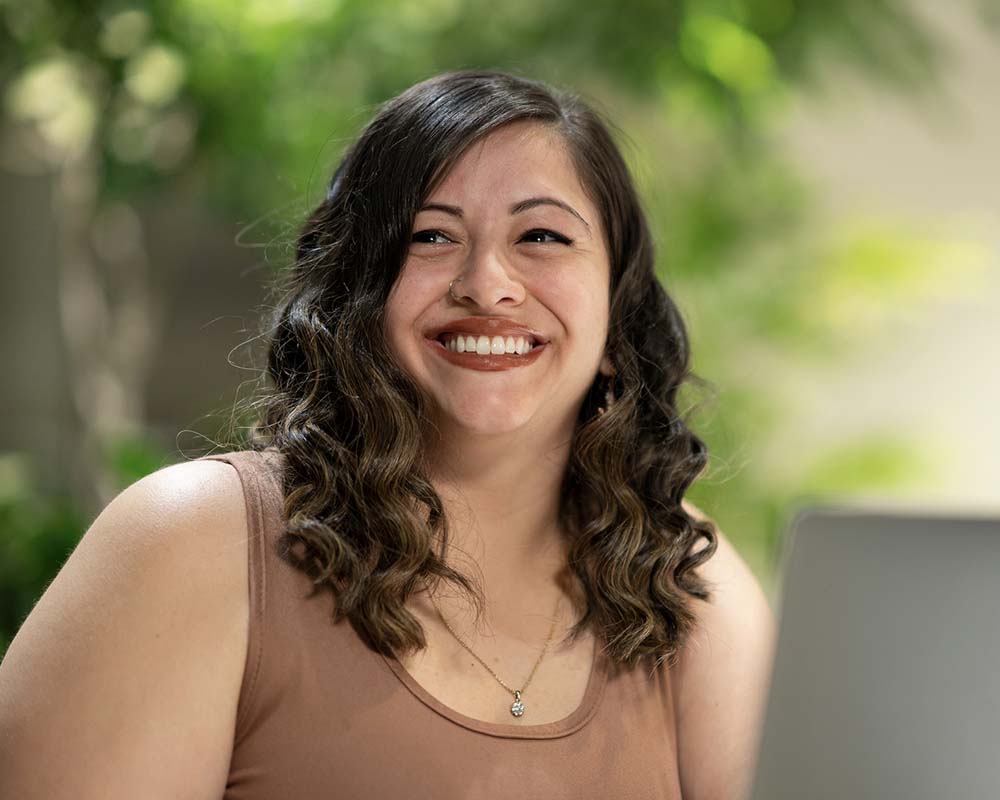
(575, 720)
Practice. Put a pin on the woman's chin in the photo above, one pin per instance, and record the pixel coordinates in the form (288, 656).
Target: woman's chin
(482, 421)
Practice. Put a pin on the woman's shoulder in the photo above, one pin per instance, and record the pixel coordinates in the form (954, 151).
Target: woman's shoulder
(721, 678)
(726, 569)
(249, 465)
(157, 581)
(212, 483)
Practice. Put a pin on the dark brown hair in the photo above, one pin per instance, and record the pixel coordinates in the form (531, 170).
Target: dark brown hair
(363, 519)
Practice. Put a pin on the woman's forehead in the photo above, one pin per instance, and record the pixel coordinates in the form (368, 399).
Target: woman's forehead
(511, 169)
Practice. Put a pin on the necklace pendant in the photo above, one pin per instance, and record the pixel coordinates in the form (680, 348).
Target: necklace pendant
(517, 709)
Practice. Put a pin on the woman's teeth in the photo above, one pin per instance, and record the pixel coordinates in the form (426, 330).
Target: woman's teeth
(484, 345)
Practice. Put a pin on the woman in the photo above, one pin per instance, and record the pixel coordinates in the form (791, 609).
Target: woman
(471, 572)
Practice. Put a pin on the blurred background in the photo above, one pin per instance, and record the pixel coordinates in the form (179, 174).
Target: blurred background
(823, 181)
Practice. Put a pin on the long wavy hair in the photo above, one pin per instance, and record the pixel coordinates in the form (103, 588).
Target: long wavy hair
(362, 517)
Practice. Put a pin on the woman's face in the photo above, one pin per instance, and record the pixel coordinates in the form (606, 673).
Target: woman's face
(544, 268)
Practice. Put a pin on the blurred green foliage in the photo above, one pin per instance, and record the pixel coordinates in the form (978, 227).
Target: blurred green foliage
(252, 101)
(39, 531)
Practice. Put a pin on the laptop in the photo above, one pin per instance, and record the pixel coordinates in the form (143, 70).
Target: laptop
(886, 677)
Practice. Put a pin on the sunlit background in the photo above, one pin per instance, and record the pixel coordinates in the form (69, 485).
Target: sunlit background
(823, 181)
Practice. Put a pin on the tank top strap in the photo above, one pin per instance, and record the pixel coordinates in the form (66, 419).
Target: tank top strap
(262, 493)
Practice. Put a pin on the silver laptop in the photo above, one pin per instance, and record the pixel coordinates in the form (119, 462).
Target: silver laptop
(886, 680)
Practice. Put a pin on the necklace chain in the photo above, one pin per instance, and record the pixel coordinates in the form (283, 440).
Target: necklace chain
(517, 709)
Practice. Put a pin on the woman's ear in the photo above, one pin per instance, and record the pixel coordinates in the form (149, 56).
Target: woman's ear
(606, 367)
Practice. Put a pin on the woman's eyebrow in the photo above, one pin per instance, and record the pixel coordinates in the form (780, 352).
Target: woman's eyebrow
(517, 208)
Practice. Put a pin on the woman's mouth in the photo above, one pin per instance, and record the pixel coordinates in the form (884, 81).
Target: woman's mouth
(486, 353)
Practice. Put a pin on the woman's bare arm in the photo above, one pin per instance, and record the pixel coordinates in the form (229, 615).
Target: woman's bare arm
(123, 680)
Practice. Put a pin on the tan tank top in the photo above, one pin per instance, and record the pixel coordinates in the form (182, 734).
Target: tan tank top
(322, 715)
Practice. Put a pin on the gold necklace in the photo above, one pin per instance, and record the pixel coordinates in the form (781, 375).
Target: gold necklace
(517, 708)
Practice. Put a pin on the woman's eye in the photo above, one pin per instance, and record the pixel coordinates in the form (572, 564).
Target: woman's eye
(425, 237)
(542, 232)
(427, 233)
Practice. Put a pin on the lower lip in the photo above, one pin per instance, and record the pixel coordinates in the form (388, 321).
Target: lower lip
(487, 363)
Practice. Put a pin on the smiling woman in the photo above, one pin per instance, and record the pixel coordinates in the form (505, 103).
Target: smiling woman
(471, 569)
(553, 292)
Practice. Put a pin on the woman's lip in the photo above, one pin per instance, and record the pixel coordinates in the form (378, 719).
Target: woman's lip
(488, 363)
